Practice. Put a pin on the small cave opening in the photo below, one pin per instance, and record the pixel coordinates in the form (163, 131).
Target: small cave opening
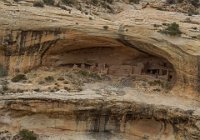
(110, 58)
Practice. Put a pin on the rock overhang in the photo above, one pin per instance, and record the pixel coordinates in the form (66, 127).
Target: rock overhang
(42, 40)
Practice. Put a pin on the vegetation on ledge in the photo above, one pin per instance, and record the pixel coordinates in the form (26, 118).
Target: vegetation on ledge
(27, 135)
(172, 29)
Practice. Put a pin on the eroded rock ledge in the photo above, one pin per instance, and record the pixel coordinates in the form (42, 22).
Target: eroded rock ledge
(136, 119)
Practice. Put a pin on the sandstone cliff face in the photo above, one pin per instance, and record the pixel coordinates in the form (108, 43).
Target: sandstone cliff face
(33, 37)
(24, 47)
(132, 119)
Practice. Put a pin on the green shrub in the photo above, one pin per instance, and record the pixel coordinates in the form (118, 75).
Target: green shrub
(95, 76)
(16, 0)
(49, 79)
(68, 2)
(156, 25)
(41, 82)
(192, 11)
(134, 1)
(19, 77)
(38, 4)
(49, 2)
(95, 2)
(161, 9)
(36, 90)
(92, 75)
(109, 1)
(27, 135)
(180, 1)
(5, 88)
(171, 1)
(165, 24)
(156, 83)
(19, 90)
(61, 79)
(2, 71)
(66, 82)
(83, 73)
(172, 29)
(195, 2)
(157, 90)
(105, 27)
(67, 88)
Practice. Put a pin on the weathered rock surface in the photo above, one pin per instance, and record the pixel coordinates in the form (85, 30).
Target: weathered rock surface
(134, 119)
(31, 37)
(27, 33)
